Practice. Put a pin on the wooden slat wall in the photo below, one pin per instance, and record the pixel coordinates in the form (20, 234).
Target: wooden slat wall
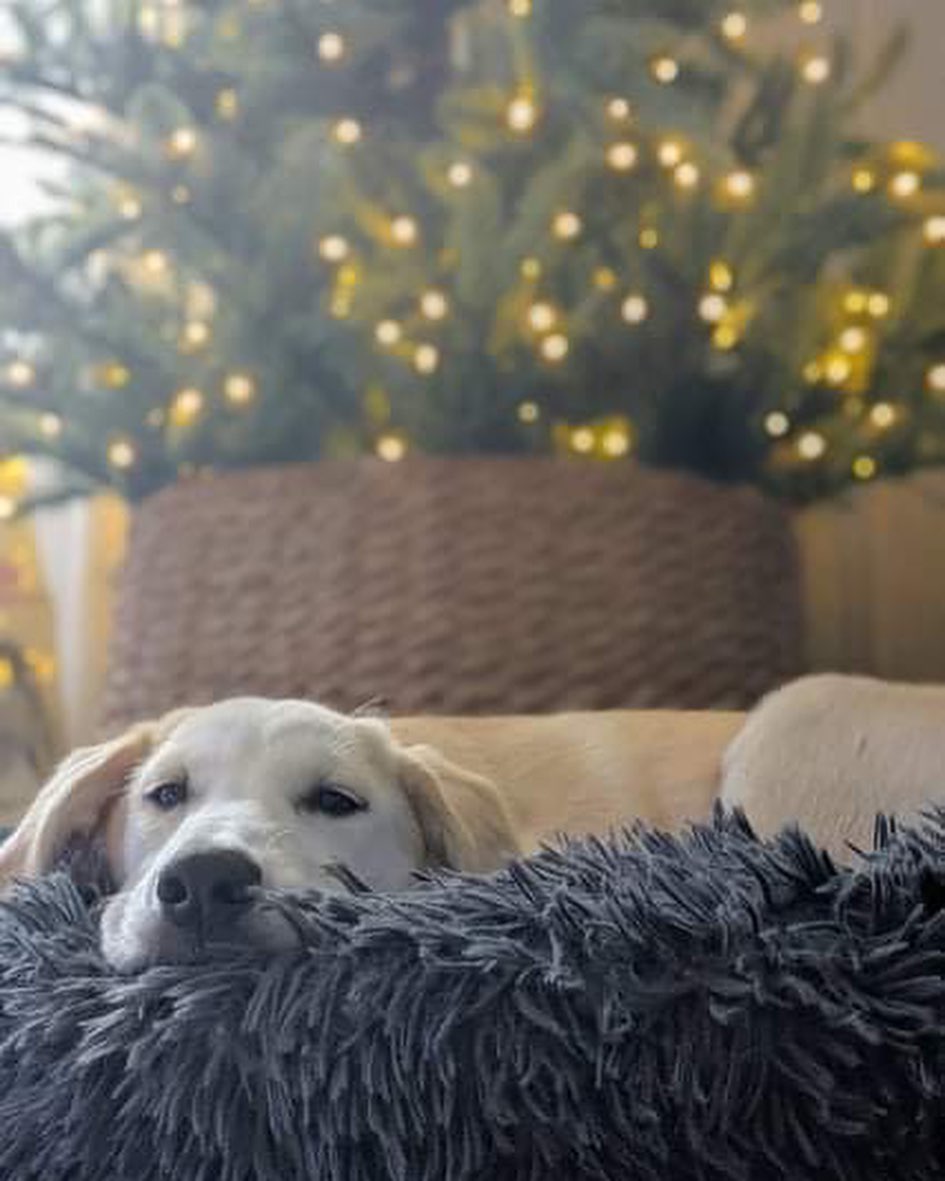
(874, 580)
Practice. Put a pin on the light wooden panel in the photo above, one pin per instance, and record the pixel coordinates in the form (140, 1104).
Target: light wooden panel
(874, 579)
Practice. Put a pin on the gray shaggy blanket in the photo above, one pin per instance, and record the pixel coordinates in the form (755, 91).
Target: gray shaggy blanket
(652, 1009)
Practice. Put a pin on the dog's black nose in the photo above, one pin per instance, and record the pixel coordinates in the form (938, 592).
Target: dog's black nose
(208, 891)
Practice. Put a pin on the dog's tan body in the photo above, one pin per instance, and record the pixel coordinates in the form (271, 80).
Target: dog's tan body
(830, 752)
(587, 773)
(827, 752)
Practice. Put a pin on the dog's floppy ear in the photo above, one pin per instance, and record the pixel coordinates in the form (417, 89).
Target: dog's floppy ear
(465, 823)
(77, 798)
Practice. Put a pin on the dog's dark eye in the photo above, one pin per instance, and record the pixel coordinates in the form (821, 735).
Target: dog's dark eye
(327, 800)
(167, 796)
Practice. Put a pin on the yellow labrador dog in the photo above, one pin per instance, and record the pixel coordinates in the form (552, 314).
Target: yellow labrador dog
(201, 807)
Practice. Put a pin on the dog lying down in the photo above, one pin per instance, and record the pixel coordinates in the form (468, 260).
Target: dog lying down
(203, 810)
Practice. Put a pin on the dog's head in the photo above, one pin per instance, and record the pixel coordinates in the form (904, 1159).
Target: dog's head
(203, 807)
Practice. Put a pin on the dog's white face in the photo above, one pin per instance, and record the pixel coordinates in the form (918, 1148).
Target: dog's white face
(247, 792)
(206, 809)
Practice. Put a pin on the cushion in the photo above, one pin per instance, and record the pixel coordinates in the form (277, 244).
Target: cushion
(650, 1008)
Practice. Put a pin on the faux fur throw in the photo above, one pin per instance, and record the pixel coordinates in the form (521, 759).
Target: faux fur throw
(670, 1010)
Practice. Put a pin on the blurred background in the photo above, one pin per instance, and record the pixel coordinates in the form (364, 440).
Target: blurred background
(464, 355)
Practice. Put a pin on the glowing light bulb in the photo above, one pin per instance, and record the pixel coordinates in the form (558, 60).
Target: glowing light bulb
(619, 109)
(391, 448)
(883, 415)
(878, 305)
(426, 359)
(864, 180)
(622, 156)
(50, 426)
(816, 69)
(905, 184)
(186, 407)
(404, 231)
(635, 309)
(712, 307)
(566, 226)
(528, 412)
(122, 454)
(721, 276)
(116, 375)
(227, 103)
(811, 12)
(812, 445)
(182, 142)
(649, 238)
(7, 513)
(936, 379)
(864, 467)
(531, 268)
(20, 374)
(129, 208)
(740, 185)
(854, 340)
(195, 334)
(347, 276)
(838, 370)
(934, 230)
(615, 442)
(777, 424)
(434, 305)
(670, 153)
(665, 69)
(334, 248)
(388, 333)
(555, 348)
(725, 337)
(460, 174)
(347, 132)
(582, 440)
(734, 26)
(605, 279)
(687, 175)
(520, 8)
(521, 115)
(542, 317)
(239, 389)
(331, 47)
(154, 263)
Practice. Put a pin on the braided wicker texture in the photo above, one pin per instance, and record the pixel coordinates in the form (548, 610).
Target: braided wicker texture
(455, 586)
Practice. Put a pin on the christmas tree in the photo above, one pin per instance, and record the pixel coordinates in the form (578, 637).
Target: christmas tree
(294, 229)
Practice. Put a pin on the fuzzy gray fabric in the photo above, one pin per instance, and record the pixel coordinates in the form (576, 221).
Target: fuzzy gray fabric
(654, 1009)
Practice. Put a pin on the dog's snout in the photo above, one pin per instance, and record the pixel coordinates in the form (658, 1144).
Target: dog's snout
(208, 890)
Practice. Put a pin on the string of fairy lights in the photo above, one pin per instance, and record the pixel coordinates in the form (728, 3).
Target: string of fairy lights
(844, 365)
(735, 190)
